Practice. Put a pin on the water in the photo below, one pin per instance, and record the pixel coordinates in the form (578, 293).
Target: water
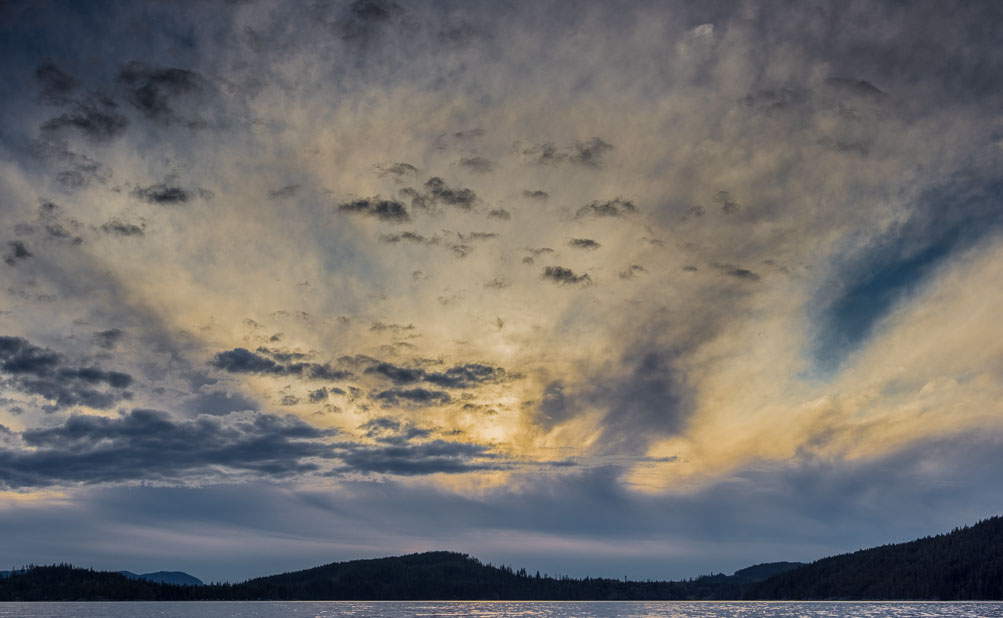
(498, 609)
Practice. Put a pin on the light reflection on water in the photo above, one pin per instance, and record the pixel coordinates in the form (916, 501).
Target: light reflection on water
(498, 609)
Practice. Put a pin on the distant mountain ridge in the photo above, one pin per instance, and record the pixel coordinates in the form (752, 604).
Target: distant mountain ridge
(965, 564)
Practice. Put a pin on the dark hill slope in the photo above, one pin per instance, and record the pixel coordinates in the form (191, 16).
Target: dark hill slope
(65, 583)
(448, 575)
(961, 565)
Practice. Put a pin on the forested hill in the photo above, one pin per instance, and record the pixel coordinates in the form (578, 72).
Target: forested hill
(964, 564)
(448, 575)
(431, 575)
(961, 565)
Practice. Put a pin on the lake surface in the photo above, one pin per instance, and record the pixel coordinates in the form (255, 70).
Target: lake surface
(497, 609)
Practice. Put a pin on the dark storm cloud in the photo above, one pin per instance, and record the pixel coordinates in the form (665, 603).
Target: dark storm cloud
(857, 87)
(148, 445)
(119, 227)
(475, 236)
(163, 193)
(78, 171)
(285, 192)
(464, 376)
(432, 457)
(565, 276)
(651, 392)
(219, 403)
(397, 375)
(583, 243)
(108, 339)
(242, 360)
(319, 395)
(363, 20)
(18, 251)
(82, 171)
(419, 397)
(498, 283)
(631, 271)
(55, 224)
(397, 170)
(479, 165)
(589, 153)
(43, 372)
(945, 221)
(728, 205)
(385, 210)
(411, 237)
(57, 85)
(611, 208)
(499, 213)
(736, 271)
(389, 430)
(776, 99)
(100, 124)
(441, 193)
(458, 138)
(152, 89)
(397, 330)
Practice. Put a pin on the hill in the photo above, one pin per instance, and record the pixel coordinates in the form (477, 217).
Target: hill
(62, 582)
(448, 575)
(965, 564)
(426, 576)
(179, 578)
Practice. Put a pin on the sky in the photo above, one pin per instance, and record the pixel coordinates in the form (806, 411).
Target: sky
(642, 289)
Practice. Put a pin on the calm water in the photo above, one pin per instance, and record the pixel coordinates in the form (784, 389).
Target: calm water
(496, 609)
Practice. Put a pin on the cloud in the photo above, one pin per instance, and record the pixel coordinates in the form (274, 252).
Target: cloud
(540, 196)
(389, 430)
(100, 125)
(433, 457)
(151, 446)
(728, 205)
(119, 227)
(153, 89)
(163, 193)
(57, 85)
(583, 243)
(498, 283)
(589, 153)
(397, 375)
(385, 210)
(43, 372)
(565, 276)
(18, 251)
(397, 170)
(462, 376)
(858, 87)
(632, 271)
(611, 208)
(412, 237)
(108, 339)
(319, 395)
(479, 165)
(499, 213)
(284, 193)
(441, 193)
(736, 271)
(243, 361)
(466, 376)
(405, 397)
